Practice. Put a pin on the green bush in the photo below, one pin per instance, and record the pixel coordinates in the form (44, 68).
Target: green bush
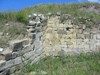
(21, 17)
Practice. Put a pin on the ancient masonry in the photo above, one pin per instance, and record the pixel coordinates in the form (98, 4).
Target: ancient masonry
(47, 36)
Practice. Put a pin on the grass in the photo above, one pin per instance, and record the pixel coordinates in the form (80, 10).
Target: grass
(84, 64)
(71, 8)
(14, 30)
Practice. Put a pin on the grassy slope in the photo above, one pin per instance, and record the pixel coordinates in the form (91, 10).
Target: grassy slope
(72, 9)
(85, 64)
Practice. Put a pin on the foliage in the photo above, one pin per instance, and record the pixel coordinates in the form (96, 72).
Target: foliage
(21, 17)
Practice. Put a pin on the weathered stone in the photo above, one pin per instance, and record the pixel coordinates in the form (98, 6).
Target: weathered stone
(32, 23)
(2, 63)
(78, 36)
(1, 49)
(6, 55)
(82, 36)
(87, 36)
(17, 61)
(28, 55)
(84, 26)
(58, 13)
(16, 45)
(14, 55)
(98, 36)
(62, 32)
(69, 43)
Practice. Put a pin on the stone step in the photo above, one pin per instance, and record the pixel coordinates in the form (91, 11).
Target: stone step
(6, 54)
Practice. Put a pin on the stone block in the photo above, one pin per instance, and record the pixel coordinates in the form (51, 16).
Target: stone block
(28, 55)
(98, 36)
(26, 49)
(17, 60)
(83, 36)
(74, 35)
(32, 23)
(80, 31)
(84, 27)
(69, 43)
(36, 59)
(61, 25)
(2, 64)
(86, 40)
(14, 55)
(87, 46)
(62, 32)
(71, 30)
(16, 45)
(87, 36)
(6, 55)
(78, 36)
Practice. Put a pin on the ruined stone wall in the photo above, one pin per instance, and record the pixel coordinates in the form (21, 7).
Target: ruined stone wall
(48, 38)
(67, 38)
(22, 52)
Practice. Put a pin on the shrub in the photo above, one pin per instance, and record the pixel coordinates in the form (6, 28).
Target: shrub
(21, 17)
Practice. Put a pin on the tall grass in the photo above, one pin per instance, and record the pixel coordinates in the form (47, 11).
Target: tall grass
(84, 64)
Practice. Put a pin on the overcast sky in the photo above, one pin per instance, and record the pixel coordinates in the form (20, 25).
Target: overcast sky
(20, 4)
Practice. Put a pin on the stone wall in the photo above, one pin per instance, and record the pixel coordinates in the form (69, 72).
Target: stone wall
(67, 38)
(22, 52)
(48, 38)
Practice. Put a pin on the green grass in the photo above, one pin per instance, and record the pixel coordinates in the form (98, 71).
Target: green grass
(14, 30)
(71, 8)
(84, 64)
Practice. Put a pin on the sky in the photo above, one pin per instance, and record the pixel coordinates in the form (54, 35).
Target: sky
(20, 4)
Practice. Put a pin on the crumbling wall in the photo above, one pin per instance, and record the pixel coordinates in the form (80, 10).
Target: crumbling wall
(67, 38)
(22, 52)
(48, 38)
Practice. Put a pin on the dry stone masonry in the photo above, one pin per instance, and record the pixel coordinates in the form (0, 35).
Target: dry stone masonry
(47, 36)
(67, 38)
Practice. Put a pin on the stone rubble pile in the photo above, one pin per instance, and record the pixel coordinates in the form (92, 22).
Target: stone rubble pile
(21, 52)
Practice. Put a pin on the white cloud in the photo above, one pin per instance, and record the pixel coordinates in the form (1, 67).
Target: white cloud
(93, 0)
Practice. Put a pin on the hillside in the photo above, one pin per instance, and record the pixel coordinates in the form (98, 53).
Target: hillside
(51, 39)
(86, 13)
